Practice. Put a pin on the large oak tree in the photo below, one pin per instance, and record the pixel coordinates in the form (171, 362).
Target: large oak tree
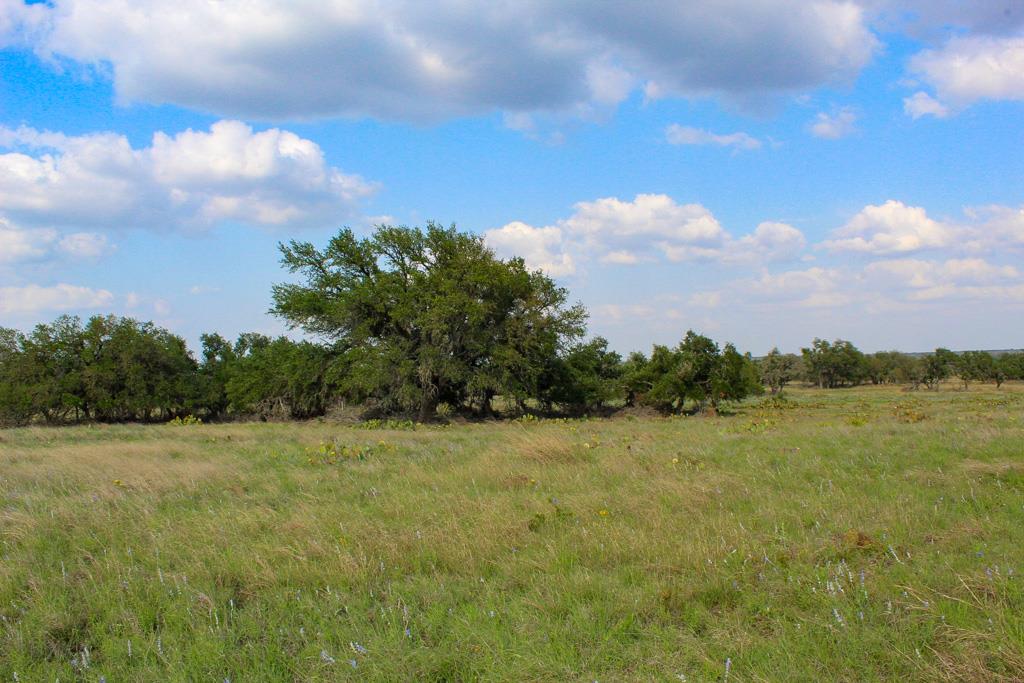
(428, 316)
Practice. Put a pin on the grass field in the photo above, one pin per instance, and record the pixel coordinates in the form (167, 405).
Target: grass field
(850, 535)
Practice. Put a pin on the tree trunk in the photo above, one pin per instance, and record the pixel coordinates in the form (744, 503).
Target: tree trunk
(428, 406)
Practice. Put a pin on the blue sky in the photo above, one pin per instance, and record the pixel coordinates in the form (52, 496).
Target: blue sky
(764, 171)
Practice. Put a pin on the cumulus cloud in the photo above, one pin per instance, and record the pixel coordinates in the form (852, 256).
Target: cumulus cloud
(192, 180)
(919, 280)
(770, 241)
(685, 135)
(24, 245)
(411, 60)
(891, 228)
(922, 104)
(21, 23)
(61, 297)
(971, 68)
(888, 284)
(994, 227)
(84, 245)
(811, 287)
(650, 227)
(834, 126)
(20, 244)
(895, 228)
(539, 247)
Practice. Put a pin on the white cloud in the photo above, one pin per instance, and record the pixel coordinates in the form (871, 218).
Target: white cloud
(84, 245)
(17, 244)
(891, 228)
(995, 228)
(650, 227)
(62, 297)
(834, 126)
(904, 284)
(193, 180)
(413, 60)
(770, 241)
(922, 104)
(20, 22)
(970, 278)
(685, 135)
(971, 68)
(539, 247)
(622, 258)
(648, 218)
(812, 288)
(920, 274)
(21, 244)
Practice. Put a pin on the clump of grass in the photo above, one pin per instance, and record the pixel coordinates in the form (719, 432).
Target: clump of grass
(186, 421)
(909, 412)
(547, 447)
(334, 452)
(388, 424)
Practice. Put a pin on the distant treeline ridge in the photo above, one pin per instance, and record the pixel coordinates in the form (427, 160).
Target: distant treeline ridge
(416, 322)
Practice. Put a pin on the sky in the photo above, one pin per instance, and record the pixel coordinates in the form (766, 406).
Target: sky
(762, 171)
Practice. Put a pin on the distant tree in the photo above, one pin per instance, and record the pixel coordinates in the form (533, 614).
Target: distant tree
(429, 316)
(698, 371)
(778, 369)
(135, 371)
(975, 366)
(16, 405)
(736, 378)
(217, 362)
(590, 377)
(1008, 366)
(937, 366)
(282, 378)
(835, 364)
(635, 380)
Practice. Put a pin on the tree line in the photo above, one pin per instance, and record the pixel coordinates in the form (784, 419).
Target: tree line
(412, 321)
(830, 365)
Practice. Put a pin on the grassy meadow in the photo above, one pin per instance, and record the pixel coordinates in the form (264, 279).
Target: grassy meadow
(845, 535)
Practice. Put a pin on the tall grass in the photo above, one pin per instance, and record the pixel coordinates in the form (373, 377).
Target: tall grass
(847, 535)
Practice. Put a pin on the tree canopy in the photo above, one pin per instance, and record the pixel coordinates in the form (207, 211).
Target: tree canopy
(429, 316)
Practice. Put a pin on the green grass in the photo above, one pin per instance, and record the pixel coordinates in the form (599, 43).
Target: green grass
(855, 535)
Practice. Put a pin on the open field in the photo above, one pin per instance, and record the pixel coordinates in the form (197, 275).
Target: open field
(866, 534)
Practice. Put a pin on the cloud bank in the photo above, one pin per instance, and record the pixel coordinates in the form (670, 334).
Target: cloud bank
(415, 61)
(193, 180)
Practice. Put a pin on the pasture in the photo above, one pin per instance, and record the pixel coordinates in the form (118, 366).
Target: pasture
(845, 535)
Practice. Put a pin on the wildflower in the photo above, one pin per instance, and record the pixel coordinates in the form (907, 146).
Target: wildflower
(602, 512)
(326, 658)
(675, 461)
(728, 668)
(357, 648)
(353, 663)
